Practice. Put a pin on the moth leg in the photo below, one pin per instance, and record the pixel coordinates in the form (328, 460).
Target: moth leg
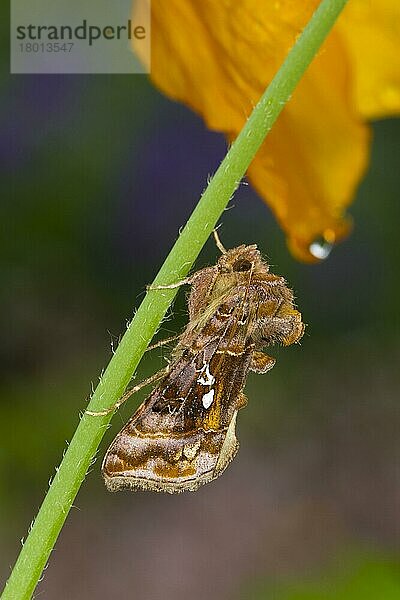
(129, 393)
(261, 363)
(170, 286)
(163, 342)
(218, 242)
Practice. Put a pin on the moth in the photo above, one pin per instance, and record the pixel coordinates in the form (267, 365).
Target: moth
(183, 435)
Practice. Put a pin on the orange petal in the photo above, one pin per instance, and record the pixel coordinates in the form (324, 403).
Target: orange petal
(218, 57)
(312, 160)
(371, 31)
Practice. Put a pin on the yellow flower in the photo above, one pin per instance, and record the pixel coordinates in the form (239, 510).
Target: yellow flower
(218, 56)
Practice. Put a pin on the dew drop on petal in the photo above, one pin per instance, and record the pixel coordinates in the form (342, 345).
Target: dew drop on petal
(320, 248)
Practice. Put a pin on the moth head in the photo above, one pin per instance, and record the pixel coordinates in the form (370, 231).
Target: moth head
(241, 260)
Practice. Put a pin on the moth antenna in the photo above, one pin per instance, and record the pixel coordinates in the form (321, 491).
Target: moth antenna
(129, 393)
(218, 242)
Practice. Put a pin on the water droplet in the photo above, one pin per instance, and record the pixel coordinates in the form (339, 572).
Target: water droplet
(320, 248)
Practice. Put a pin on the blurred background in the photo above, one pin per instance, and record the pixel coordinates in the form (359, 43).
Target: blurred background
(98, 173)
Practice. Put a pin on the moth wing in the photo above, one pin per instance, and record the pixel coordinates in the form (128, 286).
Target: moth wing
(183, 435)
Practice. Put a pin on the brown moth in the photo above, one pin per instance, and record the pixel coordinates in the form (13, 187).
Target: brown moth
(183, 434)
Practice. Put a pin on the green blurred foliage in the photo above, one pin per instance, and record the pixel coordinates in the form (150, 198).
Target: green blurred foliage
(368, 579)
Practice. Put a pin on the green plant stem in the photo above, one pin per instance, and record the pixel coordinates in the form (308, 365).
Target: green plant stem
(77, 459)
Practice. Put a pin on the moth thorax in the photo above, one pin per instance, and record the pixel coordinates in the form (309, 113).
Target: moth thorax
(224, 283)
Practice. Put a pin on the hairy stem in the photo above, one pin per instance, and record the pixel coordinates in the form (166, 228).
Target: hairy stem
(77, 459)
